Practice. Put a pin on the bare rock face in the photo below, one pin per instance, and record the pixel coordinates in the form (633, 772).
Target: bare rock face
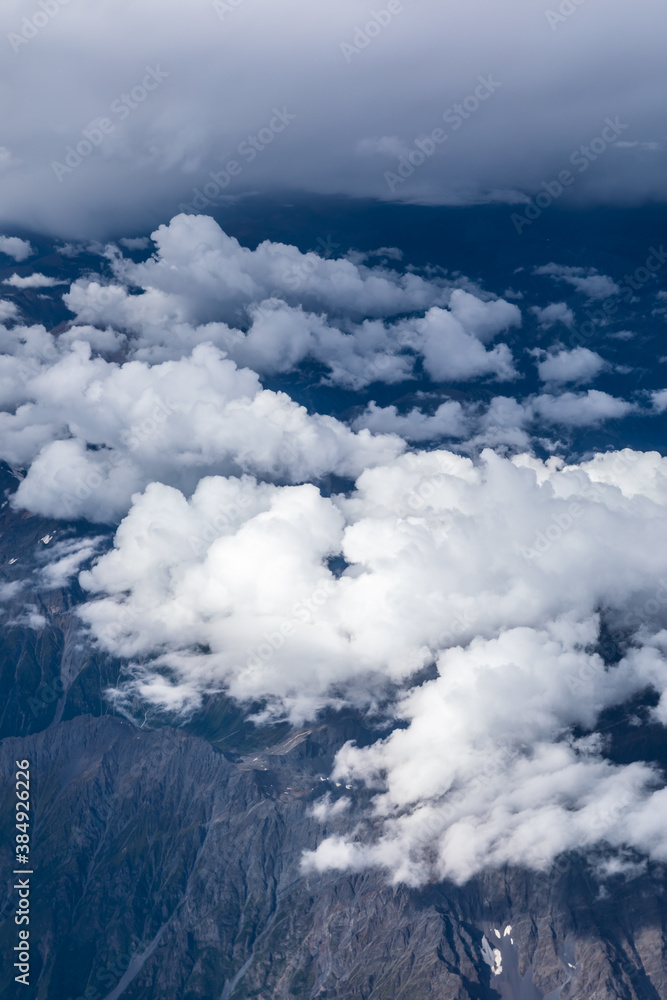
(165, 868)
(168, 860)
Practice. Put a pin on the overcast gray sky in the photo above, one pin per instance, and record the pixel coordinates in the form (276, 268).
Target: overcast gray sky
(360, 100)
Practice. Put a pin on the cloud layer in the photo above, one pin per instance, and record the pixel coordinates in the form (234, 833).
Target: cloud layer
(499, 572)
(158, 376)
(94, 432)
(121, 117)
(300, 561)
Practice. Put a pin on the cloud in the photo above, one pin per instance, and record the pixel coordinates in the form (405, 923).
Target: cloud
(394, 521)
(273, 307)
(94, 432)
(452, 354)
(578, 365)
(187, 400)
(555, 312)
(16, 248)
(8, 310)
(584, 279)
(449, 420)
(163, 145)
(203, 274)
(135, 242)
(514, 789)
(32, 281)
(484, 319)
(232, 589)
(302, 564)
(580, 409)
(66, 559)
(506, 421)
(634, 473)
(196, 333)
(389, 253)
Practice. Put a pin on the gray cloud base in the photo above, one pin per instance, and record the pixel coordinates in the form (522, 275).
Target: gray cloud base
(171, 94)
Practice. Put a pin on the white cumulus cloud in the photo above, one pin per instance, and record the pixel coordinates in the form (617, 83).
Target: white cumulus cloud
(578, 365)
(498, 572)
(16, 248)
